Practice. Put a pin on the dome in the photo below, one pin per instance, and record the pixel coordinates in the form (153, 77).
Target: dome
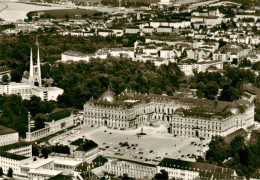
(108, 96)
(234, 110)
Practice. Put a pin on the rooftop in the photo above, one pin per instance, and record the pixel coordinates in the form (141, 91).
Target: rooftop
(130, 98)
(187, 165)
(45, 172)
(12, 156)
(14, 146)
(209, 169)
(42, 89)
(5, 130)
(74, 53)
(67, 162)
(37, 164)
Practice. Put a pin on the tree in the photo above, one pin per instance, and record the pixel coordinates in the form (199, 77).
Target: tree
(67, 17)
(10, 172)
(245, 63)
(39, 123)
(5, 78)
(35, 150)
(224, 26)
(45, 153)
(16, 75)
(237, 145)
(200, 87)
(1, 172)
(234, 61)
(200, 159)
(125, 177)
(211, 90)
(64, 149)
(163, 175)
(229, 93)
(221, 43)
(218, 150)
(256, 66)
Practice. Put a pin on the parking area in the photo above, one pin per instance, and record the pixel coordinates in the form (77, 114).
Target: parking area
(152, 147)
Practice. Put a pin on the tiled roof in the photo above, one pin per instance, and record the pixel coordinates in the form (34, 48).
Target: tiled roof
(206, 171)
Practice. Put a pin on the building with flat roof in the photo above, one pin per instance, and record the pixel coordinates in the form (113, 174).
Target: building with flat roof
(42, 174)
(74, 56)
(66, 166)
(201, 66)
(22, 89)
(14, 155)
(47, 93)
(46, 168)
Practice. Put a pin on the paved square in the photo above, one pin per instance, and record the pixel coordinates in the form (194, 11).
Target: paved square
(152, 147)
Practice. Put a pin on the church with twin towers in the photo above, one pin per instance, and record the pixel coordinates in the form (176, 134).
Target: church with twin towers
(35, 78)
(33, 85)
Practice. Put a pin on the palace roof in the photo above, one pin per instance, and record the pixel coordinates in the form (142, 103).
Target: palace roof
(206, 170)
(130, 98)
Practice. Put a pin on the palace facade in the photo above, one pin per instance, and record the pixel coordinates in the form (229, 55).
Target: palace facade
(189, 117)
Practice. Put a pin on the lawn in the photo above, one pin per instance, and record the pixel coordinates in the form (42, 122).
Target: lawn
(72, 13)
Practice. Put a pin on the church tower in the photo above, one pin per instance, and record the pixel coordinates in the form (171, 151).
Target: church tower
(35, 70)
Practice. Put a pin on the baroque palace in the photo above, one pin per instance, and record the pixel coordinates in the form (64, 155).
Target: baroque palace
(186, 116)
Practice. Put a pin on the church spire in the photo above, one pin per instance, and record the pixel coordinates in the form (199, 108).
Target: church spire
(38, 63)
(31, 64)
(35, 70)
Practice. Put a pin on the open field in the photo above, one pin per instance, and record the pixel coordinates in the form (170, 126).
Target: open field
(152, 147)
(70, 12)
(145, 1)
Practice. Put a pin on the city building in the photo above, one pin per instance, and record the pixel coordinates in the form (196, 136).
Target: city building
(67, 166)
(74, 56)
(134, 169)
(188, 117)
(47, 93)
(214, 119)
(14, 155)
(8, 136)
(46, 168)
(34, 85)
(22, 89)
(52, 125)
(201, 66)
(180, 169)
(42, 174)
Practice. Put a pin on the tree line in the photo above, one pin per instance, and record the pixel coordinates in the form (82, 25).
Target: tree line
(238, 154)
